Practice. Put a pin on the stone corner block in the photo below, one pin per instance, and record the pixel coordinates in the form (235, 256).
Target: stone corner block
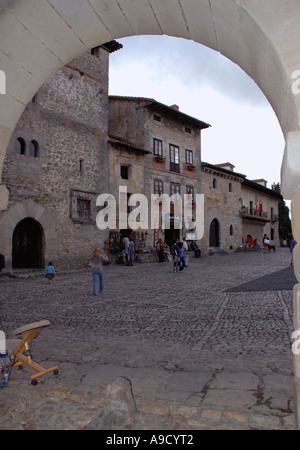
(4, 197)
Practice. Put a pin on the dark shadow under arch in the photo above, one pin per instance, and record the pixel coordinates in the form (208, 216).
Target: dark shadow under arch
(28, 244)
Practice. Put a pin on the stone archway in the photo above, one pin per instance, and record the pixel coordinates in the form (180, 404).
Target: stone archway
(43, 218)
(37, 37)
(28, 244)
(214, 233)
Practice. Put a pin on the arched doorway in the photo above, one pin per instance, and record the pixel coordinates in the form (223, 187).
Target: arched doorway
(28, 239)
(214, 233)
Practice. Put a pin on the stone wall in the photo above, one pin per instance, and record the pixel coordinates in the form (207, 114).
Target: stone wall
(257, 229)
(222, 203)
(68, 119)
(131, 119)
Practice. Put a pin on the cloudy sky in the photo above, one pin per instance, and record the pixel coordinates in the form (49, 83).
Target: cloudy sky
(204, 84)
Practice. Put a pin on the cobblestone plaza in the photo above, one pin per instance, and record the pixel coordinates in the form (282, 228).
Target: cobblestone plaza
(209, 348)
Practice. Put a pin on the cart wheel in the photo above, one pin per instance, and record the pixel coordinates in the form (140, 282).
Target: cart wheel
(55, 372)
(34, 382)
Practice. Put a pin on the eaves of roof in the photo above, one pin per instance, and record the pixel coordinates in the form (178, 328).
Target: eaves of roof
(160, 108)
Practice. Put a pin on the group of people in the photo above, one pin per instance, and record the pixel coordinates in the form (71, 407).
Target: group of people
(289, 242)
(178, 253)
(254, 243)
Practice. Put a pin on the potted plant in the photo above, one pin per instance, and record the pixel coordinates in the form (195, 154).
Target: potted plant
(159, 158)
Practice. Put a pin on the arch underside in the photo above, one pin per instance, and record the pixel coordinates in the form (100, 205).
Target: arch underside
(38, 37)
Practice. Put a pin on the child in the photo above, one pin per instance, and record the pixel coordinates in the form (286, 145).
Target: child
(50, 271)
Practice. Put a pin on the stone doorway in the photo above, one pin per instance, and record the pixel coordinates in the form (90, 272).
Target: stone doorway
(28, 240)
(171, 234)
(214, 233)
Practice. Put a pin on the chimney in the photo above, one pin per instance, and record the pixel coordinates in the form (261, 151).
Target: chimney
(175, 107)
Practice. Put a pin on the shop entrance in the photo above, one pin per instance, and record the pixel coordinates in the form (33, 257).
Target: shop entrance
(27, 250)
(171, 234)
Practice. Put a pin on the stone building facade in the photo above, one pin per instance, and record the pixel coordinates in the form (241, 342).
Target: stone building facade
(236, 207)
(56, 165)
(167, 156)
(74, 142)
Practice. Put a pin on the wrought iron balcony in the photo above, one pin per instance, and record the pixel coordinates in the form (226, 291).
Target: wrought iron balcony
(254, 214)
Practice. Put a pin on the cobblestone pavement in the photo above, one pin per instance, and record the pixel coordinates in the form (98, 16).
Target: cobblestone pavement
(198, 353)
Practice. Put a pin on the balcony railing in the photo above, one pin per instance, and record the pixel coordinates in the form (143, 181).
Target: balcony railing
(245, 211)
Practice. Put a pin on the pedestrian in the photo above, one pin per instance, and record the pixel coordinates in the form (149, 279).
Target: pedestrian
(186, 249)
(266, 242)
(167, 253)
(249, 242)
(194, 246)
(291, 243)
(160, 251)
(181, 257)
(175, 254)
(50, 272)
(96, 263)
(131, 252)
(125, 245)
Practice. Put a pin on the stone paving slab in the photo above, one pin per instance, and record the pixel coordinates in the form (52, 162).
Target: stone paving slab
(197, 356)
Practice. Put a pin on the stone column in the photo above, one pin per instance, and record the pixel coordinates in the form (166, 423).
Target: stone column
(290, 176)
(295, 209)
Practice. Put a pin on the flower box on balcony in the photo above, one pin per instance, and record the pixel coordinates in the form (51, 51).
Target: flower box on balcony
(190, 167)
(160, 159)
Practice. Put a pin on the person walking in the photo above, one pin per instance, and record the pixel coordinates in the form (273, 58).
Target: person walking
(175, 254)
(186, 249)
(125, 244)
(291, 243)
(131, 252)
(181, 257)
(160, 251)
(50, 272)
(96, 263)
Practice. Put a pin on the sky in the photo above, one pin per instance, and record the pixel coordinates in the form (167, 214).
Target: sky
(206, 85)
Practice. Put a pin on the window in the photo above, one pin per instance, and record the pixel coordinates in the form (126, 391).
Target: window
(251, 208)
(20, 146)
(174, 189)
(215, 183)
(34, 149)
(174, 158)
(125, 172)
(83, 209)
(157, 147)
(190, 190)
(81, 165)
(188, 130)
(189, 157)
(157, 118)
(231, 230)
(272, 234)
(230, 187)
(158, 187)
